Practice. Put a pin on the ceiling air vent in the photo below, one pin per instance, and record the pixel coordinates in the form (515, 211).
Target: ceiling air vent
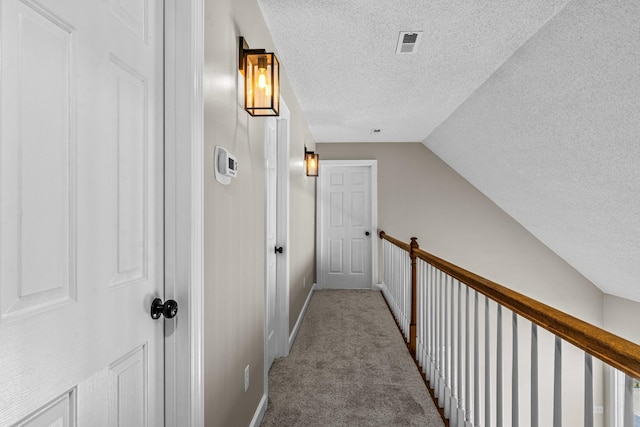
(408, 42)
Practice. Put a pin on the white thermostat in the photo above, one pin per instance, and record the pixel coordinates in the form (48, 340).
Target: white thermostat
(225, 165)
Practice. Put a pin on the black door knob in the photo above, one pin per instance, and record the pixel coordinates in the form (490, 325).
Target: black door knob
(169, 309)
(366, 233)
(279, 249)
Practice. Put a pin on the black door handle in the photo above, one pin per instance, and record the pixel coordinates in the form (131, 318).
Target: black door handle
(366, 233)
(279, 249)
(169, 309)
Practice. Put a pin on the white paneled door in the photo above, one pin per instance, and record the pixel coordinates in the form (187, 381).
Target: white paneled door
(346, 224)
(81, 213)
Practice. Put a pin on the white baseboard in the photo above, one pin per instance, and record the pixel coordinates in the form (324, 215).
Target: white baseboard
(294, 333)
(260, 411)
(377, 286)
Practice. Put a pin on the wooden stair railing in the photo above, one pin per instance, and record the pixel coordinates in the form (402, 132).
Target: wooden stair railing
(615, 351)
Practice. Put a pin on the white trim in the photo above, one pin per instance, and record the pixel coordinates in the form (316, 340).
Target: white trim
(283, 229)
(373, 164)
(296, 328)
(260, 411)
(282, 239)
(270, 123)
(196, 293)
(184, 179)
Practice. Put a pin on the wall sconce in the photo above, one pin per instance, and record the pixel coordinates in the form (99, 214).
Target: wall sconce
(261, 71)
(311, 161)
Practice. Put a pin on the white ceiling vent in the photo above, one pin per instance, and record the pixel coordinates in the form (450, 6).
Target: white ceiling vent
(408, 42)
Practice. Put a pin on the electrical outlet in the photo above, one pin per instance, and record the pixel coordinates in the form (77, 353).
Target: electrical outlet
(598, 410)
(246, 378)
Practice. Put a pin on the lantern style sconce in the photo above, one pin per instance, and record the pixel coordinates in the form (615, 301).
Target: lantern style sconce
(261, 71)
(311, 161)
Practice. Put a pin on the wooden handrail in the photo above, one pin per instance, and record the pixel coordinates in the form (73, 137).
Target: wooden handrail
(618, 352)
(398, 243)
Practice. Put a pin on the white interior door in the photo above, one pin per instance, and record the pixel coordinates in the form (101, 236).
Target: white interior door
(346, 225)
(271, 165)
(81, 213)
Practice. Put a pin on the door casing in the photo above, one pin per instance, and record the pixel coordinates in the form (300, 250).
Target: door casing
(184, 209)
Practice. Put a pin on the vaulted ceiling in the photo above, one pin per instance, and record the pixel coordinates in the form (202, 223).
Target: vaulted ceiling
(536, 103)
(341, 58)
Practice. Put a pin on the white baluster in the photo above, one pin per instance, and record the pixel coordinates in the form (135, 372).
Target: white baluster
(557, 384)
(438, 287)
(476, 363)
(628, 401)
(499, 368)
(408, 294)
(534, 375)
(424, 316)
(453, 416)
(392, 280)
(395, 283)
(432, 383)
(588, 390)
(487, 364)
(515, 412)
(419, 324)
(467, 364)
(429, 310)
(442, 352)
(447, 348)
(461, 401)
(402, 295)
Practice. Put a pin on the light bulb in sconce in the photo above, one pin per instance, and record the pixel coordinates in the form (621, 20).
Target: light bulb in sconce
(311, 162)
(262, 80)
(262, 68)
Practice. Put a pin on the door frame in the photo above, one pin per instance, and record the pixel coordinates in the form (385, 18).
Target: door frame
(184, 209)
(324, 166)
(283, 228)
(282, 239)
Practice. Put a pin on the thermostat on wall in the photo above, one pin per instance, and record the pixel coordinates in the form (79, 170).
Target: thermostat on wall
(225, 165)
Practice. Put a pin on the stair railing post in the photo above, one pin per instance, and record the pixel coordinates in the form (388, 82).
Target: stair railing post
(414, 291)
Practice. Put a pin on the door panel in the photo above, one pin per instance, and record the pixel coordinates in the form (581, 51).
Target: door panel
(59, 413)
(358, 251)
(131, 181)
(80, 212)
(128, 389)
(37, 253)
(345, 215)
(336, 211)
(335, 256)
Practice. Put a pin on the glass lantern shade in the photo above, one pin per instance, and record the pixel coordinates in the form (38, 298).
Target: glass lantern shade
(262, 84)
(312, 163)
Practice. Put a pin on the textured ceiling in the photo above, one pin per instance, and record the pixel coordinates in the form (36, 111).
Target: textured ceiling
(553, 138)
(340, 58)
(536, 103)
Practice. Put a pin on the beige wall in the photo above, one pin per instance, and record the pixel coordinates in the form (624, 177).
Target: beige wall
(419, 195)
(234, 218)
(622, 317)
(303, 231)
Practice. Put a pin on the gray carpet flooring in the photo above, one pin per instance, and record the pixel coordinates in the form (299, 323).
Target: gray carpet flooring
(349, 366)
